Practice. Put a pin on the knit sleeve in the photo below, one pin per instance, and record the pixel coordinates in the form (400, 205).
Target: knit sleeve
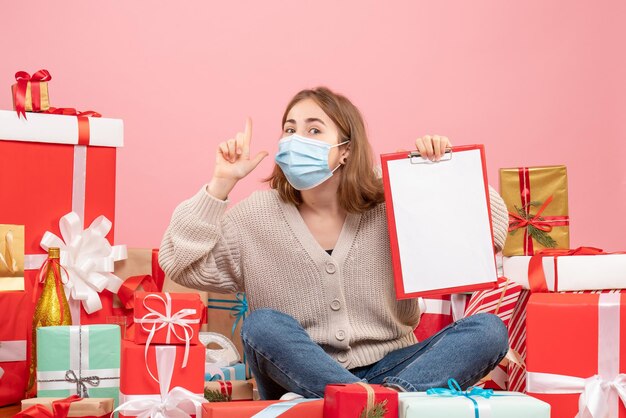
(200, 246)
(499, 219)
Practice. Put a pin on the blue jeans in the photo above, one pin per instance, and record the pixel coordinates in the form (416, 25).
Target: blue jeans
(283, 358)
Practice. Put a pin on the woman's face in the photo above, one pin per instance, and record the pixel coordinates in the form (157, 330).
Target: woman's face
(307, 119)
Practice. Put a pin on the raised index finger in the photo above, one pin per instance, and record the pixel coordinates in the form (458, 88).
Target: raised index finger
(247, 135)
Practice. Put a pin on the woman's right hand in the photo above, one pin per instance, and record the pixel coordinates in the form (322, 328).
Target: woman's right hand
(233, 162)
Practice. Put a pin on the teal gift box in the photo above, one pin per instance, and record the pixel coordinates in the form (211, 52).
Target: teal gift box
(499, 405)
(81, 360)
(235, 372)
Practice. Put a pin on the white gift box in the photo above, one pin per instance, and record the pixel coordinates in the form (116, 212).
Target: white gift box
(572, 272)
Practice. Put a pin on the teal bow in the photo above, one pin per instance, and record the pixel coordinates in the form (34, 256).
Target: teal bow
(239, 310)
(455, 390)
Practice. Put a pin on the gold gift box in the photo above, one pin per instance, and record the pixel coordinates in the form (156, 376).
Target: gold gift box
(11, 257)
(539, 184)
(86, 407)
(44, 97)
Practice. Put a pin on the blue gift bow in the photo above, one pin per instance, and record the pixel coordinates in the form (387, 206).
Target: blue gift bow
(455, 390)
(239, 309)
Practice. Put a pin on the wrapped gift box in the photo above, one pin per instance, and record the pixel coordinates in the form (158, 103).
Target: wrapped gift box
(159, 376)
(14, 342)
(86, 407)
(291, 409)
(575, 344)
(11, 257)
(235, 391)
(69, 162)
(78, 360)
(536, 198)
(347, 401)
(30, 93)
(500, 301)
(136, 378)
(569, 272)
(500, 405)
(167, 318)
(437, 312)
(234, 372)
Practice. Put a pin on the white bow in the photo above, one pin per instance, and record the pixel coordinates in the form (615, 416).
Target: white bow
(594, 401)
(175, 403)
(88, 258)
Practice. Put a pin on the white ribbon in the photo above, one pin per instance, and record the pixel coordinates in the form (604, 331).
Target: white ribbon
(600, 393)
(167, 320)
(12, 351)
(175, 403)
(88, 259)
(280, 408)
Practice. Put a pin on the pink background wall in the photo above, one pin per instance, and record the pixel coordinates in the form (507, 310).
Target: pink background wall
(537, 82)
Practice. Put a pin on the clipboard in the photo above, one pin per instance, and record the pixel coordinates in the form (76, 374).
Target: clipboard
(439, 220)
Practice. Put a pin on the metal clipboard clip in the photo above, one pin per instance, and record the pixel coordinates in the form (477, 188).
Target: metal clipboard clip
(416, 158)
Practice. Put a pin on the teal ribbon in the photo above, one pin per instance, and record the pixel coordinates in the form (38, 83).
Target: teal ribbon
(238, 309)
(455, 390)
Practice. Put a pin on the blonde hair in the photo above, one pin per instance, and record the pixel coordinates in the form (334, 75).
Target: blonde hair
(360, 188)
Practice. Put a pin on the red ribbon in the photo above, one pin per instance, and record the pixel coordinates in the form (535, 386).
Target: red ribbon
(542, 223)
(149, 283)
(226, 388)
(83, 121)
(157, 272)
(23, 78)
(537, 277)
(56, 267)
(60, 409)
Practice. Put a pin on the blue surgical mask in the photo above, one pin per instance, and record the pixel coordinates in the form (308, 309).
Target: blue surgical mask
(304, 161)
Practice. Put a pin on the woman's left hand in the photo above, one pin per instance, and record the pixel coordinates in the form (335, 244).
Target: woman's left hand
(432, 147)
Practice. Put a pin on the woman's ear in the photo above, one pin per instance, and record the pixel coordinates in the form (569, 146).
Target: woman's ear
(345, 153)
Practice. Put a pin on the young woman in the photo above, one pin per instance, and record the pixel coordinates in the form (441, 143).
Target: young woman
(313, 256)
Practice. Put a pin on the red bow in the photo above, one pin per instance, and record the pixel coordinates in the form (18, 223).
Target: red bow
(83, 121)
(60, 409)
(518, 222)
(23, 78)
(537, 277)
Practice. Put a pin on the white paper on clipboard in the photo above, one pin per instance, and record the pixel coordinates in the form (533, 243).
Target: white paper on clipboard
(442, 223)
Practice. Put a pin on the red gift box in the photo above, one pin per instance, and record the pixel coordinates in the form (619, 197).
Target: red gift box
(14, 339)
(136, 379)
(575, 344)
(48, 174)
(438, 312)
(347, 401)
(246, 409)
(163, 373)
(167, 318)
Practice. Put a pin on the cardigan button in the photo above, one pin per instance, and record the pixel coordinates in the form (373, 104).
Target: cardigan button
(335, 305)
(342, 357)
(330, 268)
(340, 335)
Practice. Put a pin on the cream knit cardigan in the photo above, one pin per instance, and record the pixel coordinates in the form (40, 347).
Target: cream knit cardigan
(345, 301)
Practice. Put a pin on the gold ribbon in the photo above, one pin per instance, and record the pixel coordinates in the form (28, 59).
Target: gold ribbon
(8, 260)
(370, 397)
